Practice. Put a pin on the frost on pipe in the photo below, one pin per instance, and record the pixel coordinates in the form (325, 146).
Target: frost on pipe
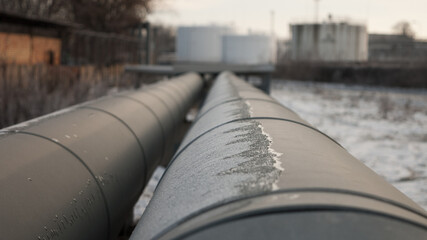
(77, 173)
(250, 168)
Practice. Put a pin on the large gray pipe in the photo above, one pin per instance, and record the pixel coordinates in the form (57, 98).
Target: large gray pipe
(250, 168)
(77, 173)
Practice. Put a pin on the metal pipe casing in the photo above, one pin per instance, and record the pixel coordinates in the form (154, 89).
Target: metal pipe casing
(77, 173)
(250, 168)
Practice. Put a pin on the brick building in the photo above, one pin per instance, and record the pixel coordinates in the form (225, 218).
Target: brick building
(27, 40)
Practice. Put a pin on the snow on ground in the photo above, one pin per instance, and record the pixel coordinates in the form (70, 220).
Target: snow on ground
(384, 128)
(147, 194)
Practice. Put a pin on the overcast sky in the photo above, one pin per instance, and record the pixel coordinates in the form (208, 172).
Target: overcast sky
(255, 15)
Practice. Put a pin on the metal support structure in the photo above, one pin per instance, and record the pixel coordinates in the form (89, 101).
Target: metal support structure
(266, 83)
(77, 173)
(264, 72)
(147, 27)
(139, 32)
(148, 43)
(316, 11)
(250, 168)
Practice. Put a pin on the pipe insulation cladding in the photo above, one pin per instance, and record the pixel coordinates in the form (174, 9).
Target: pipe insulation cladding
(250, 168)
(77, 173)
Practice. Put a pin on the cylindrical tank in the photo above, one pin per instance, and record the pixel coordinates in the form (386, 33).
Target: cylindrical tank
(77, 173)
(248, 49)
(200, 43)
(250, 168)
(329, 41)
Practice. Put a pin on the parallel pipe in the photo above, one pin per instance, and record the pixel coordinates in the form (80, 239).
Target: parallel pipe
(77, 173)
(250, 168)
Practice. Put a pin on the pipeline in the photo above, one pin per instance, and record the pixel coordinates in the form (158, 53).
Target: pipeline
(77, 173)
(250, 168)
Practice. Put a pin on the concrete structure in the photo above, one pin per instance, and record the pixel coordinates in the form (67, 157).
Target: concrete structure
(200, 43)
(249, 49)
(396, 48)
(329, 41)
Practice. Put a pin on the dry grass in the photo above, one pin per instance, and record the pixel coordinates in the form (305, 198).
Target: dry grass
(385, 106)
(29, 91)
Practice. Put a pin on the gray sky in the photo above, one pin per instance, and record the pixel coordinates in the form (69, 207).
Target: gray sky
(255, 15)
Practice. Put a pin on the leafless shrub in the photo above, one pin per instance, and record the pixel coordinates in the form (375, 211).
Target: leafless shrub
(29, 91)
(318, 90)
(332, 96)
(354, 101)
(408, 110)
(385, 106)
(98, 15)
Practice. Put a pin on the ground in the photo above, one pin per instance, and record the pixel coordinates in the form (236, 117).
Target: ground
(385, 128)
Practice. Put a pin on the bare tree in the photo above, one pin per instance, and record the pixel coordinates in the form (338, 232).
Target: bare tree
(98, 15)
(55, 9)
(110, 15)
(404, 28)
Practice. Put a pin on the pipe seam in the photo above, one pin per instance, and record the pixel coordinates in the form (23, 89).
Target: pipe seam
(163, 102)
(242, 99)
(288, 209)
(171, 95)
(107, 208)
(133, 133)
(162, 129)
(295, 190)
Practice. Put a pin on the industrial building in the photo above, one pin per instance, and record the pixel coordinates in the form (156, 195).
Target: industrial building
(200, 43)
(218, 44)
(396, 48)
(249, 49)
(329, 41)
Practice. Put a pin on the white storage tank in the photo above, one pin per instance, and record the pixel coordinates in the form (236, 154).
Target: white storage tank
(329, 41)
(249, 49)
(200, 43)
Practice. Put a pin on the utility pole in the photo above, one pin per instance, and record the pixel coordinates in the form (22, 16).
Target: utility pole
(147, 27)
(316, 11)
(273, 42)
(272, 23)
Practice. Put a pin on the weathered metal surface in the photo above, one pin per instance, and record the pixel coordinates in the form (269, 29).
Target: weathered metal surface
(249, 168)
(47, 193)
(149, 136)
(77, 173)
(201, 68)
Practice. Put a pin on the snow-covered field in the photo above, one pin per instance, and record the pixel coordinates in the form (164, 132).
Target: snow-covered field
(147, 194)
(384, 128)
